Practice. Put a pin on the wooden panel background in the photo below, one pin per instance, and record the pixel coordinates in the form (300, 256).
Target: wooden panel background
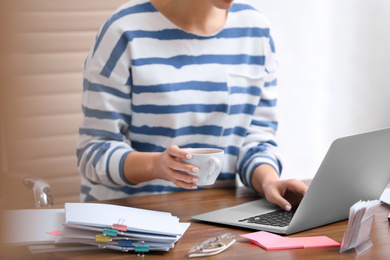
(46, 44)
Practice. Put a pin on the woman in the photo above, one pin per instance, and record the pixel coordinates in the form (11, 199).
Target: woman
(164, 75)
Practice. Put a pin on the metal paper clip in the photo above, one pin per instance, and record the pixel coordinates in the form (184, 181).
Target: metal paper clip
(212, 246)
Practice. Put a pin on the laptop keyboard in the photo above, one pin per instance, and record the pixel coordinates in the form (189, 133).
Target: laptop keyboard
(278, 218)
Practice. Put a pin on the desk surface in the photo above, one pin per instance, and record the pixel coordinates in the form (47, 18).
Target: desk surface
(187, 204)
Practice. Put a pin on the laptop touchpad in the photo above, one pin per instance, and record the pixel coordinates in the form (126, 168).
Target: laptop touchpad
(255, 207)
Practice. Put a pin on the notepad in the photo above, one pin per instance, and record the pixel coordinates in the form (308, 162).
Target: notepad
(271, 241)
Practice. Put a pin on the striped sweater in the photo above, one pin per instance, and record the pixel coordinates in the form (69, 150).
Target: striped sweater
(149, 84)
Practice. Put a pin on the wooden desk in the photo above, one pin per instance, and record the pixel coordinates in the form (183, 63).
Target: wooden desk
(187, 204)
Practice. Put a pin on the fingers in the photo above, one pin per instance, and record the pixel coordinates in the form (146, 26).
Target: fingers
(175, 170)
(286, 193)
(176, 152)
(177, 165)
(276, 198)
(296, 186)
(185, 181)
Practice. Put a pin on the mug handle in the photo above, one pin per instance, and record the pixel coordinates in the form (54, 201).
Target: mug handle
(216, 166)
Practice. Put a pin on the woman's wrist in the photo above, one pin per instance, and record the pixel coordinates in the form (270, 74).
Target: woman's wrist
(140, 167)
(263, 176)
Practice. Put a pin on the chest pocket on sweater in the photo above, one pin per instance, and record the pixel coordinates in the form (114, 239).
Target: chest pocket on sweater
(245, 92)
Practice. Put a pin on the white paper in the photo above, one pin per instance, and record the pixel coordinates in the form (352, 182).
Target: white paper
(83, 235)
(105, 215)
(76, 231)
(386, 196)
(39, 249)
(29, 226)
(154, 246)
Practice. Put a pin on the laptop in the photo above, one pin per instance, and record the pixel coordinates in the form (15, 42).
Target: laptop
(354, 168)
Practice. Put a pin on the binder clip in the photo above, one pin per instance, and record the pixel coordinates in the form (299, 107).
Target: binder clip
(103, 238)
(141, 249)
(120, 226)
(110, 232)
(125, 243)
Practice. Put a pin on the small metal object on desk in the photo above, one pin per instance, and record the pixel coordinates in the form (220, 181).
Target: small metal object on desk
(212, 246)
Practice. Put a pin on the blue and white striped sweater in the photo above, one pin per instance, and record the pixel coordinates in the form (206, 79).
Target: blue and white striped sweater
(148, 84)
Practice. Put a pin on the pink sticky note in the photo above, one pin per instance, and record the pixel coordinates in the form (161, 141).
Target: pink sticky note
(317, 241)
(54, 233)
(271, 241)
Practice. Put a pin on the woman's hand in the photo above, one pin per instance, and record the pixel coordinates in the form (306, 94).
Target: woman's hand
(285, 193)
(171, 168)
(143, 166)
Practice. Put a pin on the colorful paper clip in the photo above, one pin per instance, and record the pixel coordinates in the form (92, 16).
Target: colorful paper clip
(103, 238)
(119, 227)
(110, 232)
(125, 243)
(141, 248)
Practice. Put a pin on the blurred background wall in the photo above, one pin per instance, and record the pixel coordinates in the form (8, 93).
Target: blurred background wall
(334, 76)
(43, 47)
(334, 71)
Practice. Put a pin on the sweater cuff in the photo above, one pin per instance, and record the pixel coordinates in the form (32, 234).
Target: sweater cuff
(115, 167)
(256, 162)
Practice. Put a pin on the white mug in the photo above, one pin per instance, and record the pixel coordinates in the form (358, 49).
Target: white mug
(209, 161)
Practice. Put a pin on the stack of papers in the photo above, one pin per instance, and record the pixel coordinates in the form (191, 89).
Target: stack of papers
(120, 228)
(89, 226)
(361, 217)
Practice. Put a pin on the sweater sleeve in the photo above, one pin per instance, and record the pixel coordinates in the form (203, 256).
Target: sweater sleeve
(106, 103)
(260, 146)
